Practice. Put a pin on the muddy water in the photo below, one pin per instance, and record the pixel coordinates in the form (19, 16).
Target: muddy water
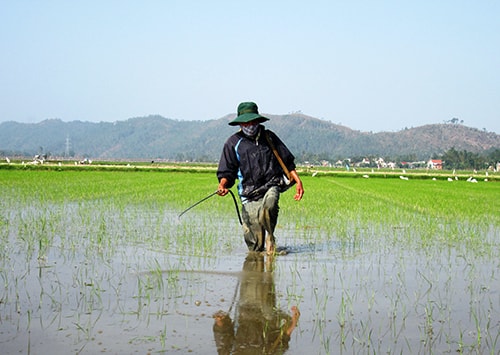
(130, 292)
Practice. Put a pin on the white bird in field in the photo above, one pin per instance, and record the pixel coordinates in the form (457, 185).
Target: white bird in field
(366, 176)
(315, 173)
(450, 179)
(403, 178)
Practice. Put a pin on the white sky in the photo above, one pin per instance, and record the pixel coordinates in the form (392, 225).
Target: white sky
(369, 65)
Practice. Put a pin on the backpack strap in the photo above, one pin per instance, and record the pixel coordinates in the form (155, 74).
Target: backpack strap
(273, 148)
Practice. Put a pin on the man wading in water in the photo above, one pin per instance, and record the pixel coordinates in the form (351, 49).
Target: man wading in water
(264, 167)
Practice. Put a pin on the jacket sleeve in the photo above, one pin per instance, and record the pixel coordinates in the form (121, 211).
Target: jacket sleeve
(228, 163)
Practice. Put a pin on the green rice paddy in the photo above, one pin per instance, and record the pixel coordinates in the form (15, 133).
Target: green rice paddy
(98, 261)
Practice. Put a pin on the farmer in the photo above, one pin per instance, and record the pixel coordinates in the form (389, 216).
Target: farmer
(264, 167)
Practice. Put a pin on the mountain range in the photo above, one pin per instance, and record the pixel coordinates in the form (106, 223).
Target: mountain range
(158, 138)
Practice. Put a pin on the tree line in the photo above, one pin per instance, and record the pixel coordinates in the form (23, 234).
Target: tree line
(464, 160)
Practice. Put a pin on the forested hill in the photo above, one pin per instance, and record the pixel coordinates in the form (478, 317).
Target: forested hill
(156, 137)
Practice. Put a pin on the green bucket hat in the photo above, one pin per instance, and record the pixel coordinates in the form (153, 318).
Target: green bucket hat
(248, 111)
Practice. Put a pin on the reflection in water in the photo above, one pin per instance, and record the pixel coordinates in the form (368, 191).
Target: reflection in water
(259, 327)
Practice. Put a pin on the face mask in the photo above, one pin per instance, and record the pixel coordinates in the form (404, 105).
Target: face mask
(251, 130)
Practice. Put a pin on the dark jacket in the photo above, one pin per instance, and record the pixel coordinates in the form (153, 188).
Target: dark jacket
(251, 161)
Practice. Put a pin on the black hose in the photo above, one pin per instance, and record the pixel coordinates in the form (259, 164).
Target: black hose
(206, 198)
(236, 206)
(197, 203)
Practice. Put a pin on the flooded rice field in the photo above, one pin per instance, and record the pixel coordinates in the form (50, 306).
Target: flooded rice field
(90, 277)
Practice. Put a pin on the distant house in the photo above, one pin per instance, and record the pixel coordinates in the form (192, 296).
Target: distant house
(436, 164)
(364, 162)
(380, 163)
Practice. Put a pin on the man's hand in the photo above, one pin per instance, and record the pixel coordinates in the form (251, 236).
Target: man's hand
(221, 189)
(299, 191)
(298, 185)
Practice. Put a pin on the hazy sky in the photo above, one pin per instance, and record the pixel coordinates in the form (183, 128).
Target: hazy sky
(369, 65)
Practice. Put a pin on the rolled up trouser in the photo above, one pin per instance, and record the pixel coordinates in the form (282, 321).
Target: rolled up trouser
(259, 217)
